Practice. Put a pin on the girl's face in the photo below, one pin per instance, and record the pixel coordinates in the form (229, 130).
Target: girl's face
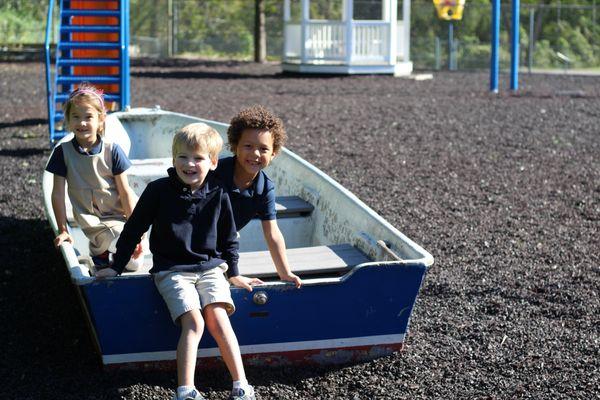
(85, 122)
(254, 151)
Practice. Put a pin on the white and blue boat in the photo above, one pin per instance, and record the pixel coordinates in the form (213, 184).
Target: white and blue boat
(361, 275)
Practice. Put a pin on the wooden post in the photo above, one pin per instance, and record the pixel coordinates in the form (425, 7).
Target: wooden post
(348, 21)
(303, 30)
(391, 17)
(406, 26)
(286, 21)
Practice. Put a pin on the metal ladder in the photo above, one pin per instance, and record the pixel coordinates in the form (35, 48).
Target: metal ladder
(92, 46)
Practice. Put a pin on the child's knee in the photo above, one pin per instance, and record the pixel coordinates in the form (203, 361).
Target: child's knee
(192, 321)
(216, 318)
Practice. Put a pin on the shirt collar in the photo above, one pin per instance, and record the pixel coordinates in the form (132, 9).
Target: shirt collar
(209, 184)
(96, 149)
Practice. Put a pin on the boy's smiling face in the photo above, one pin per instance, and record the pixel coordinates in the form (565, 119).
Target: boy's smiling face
(254, 151)
(192, 166)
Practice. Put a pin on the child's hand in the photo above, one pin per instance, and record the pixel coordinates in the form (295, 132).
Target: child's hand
(61, 238)
(106, 273)
(291, 277)
(244, 282)
(138, 251)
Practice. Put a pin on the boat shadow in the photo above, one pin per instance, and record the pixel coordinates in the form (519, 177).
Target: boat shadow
(47, 333)
(48, 347)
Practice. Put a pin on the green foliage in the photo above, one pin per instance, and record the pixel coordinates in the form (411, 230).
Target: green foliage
(571, 31)
(226, 28)
(20, 22)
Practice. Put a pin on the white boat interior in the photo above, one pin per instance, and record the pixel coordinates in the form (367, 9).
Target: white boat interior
(327, 229)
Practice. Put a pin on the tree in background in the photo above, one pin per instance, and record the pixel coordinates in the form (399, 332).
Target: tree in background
(260, 34)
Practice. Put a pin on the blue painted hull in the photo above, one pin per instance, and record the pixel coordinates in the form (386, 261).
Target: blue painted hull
(364, 315)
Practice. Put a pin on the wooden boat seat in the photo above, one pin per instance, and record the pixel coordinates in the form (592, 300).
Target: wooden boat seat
(316, 260)
(286, 207)
(304, 260)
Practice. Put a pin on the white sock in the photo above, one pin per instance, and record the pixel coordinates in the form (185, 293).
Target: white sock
(241, 384)
(185, 391)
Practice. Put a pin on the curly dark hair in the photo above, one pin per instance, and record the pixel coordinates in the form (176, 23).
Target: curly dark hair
(256, 117)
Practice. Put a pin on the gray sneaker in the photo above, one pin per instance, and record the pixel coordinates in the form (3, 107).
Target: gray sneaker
(194, 396)
(240, 394)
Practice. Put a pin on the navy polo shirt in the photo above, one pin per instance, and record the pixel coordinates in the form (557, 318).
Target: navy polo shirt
(256, 201)
(191, 232)
(57, 165)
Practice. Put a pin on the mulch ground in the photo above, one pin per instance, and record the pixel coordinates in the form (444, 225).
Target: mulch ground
(503, 190)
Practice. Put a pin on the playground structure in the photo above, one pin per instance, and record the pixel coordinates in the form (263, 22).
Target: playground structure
(449, 10)
(349, 45)
(92, 47)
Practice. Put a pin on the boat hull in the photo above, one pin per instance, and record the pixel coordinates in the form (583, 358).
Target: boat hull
(362, 316)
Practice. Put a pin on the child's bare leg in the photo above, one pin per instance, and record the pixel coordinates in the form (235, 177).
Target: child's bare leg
(219, 326)
(192, 326)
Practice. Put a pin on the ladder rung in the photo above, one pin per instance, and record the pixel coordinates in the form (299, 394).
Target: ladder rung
(90, 28)
(62, 97)
(90, 13)
(102, 79)
(89, 45)
(69, 62)
(58, 116)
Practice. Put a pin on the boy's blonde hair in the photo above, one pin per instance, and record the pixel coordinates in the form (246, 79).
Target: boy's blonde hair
(198, 136)
(85, 94)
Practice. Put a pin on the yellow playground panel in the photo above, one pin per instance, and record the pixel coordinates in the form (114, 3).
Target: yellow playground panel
(449, 9)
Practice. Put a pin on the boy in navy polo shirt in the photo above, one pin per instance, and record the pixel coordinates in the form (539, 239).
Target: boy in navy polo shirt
(193, 241)
(255, 137)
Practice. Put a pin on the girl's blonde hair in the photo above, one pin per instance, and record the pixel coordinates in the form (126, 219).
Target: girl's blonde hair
(86, 94)
(198, 136)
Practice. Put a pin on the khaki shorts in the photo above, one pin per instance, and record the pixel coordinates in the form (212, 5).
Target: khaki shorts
(185, 291)
(102, 235)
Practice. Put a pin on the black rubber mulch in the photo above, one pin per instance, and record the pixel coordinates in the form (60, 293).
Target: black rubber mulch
(503, 190)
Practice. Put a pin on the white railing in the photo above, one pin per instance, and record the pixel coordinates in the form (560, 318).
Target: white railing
(326, 41)
(371, 41)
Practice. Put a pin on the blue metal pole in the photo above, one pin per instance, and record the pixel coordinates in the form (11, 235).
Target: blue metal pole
(514, 48)
(49, 93)
(124, 42)
(495, 60)
(450, 46)
(127, 101)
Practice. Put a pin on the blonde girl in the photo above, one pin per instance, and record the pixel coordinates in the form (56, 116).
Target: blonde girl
(94, 172)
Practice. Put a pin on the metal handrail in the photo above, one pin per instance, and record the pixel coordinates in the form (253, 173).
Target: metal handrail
(49, 21)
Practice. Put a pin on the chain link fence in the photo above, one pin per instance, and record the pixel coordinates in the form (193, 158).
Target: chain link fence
(551, 36)
(165, 28)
